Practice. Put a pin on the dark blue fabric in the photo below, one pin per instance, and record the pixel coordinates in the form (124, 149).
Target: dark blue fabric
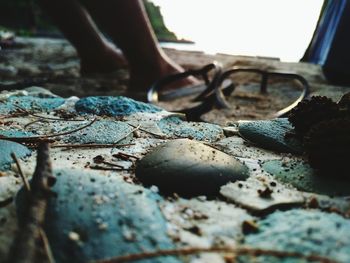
(326, 31)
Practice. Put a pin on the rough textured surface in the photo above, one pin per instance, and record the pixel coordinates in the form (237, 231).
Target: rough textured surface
(40, 92)
(190, 168)
(8, 229)
(237, 146)
(96, 217)
(104, 131)
(193, 222)
(261, 196)
(112, 106)
(270, 134)
(197, 130)
(312, 111)
(9, 186)
(29, 103)
(15, 133)
(7, 148)
(304, 178)
(306, 232)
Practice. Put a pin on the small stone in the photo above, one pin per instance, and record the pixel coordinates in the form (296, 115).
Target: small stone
(249, 227)
(73, 236)
(154, 189)
(102, 226)
(137, 134)
(266, 193)
(98, 159)
(189, 168)
(313, 203)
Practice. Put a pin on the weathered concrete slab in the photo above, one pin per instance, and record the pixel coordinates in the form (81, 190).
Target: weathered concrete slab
(102, 131)
(29, 103)
(113, 106)
(302, 231)
(303, 177)
(15, 133)
(96, 217)
(238, 147)
(200, 131)
(261, 196)
(8, 147)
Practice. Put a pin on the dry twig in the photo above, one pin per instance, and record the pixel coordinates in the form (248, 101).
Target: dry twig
(132, 131)
(103, 168)
(125, 156)
(47, 247)
(39, 138)
(24, 111)
(33, 122)
(90, 145)
(20, 172)
(158, 136)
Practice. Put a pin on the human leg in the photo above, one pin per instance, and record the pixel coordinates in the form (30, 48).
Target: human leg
(96, 54)
(127, 24)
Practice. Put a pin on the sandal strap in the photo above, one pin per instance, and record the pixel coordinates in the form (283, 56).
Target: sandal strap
(221, 96)
(153, 93)
(208, 103)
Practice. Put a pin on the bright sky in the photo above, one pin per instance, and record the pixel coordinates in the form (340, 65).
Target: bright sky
(275, 28)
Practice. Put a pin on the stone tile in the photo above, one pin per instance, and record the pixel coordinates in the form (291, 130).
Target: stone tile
(102, 131)
(270, 134)
(200, 131)
(302, 231)
(8, 147)
(261, 195)
(304, 178)
(29, 103)
(96, 217)
(113, 106)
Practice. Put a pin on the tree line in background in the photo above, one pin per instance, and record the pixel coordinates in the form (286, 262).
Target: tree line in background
(26, 18)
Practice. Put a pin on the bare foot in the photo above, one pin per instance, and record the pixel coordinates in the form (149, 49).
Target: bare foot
(107, 62)
(142, 78)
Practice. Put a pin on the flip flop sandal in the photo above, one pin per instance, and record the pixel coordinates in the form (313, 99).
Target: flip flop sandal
(222, 93)
(208, 103)
(207, 96)
(158, 93)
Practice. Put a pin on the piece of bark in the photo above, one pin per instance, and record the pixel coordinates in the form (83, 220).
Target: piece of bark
(27, 245)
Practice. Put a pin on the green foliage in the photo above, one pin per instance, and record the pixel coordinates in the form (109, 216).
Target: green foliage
(35, 19)
(157, 22)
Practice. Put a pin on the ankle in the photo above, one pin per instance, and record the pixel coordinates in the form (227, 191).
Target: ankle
(142, 77)
(103, 61)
